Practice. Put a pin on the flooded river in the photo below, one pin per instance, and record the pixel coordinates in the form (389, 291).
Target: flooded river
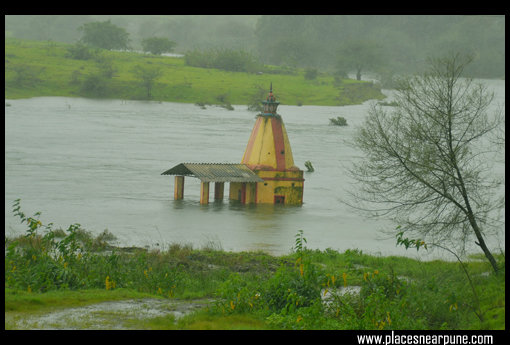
(99, 163)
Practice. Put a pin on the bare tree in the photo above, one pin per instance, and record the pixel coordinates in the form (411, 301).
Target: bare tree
(425, 164)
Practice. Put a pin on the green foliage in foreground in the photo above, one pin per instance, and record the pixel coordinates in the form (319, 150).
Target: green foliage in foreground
(60, 75)
(302, 290)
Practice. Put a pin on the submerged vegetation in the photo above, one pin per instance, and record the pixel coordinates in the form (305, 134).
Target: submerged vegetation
(38, 68)
(339, 121)
(306, 289)
(309, 166)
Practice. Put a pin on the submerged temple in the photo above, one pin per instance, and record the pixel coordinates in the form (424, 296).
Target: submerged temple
(267, 173)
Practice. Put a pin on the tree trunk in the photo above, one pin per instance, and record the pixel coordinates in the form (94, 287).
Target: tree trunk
(481, 242)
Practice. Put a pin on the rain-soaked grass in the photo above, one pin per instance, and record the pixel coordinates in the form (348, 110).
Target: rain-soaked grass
(45, 74)
(183, 287)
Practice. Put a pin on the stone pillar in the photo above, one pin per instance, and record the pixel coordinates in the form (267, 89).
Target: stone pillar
(204, 192)
(179, 187)
(219, 187)
(242, 194)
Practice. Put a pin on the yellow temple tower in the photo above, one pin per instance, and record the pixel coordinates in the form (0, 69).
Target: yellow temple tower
(269, 156)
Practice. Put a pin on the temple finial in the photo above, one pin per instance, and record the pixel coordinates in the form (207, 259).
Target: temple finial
(270, 104)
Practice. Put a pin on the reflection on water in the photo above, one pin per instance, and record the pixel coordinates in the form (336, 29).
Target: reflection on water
(98, 163)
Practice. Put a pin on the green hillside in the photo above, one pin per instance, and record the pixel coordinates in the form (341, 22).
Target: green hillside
(44, 68)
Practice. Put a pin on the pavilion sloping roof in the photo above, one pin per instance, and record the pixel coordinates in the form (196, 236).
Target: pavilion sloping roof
(215, 172)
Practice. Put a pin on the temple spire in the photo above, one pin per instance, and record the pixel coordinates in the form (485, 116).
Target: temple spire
(270, 104)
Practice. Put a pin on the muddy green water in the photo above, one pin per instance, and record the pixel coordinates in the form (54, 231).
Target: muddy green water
(99, 163)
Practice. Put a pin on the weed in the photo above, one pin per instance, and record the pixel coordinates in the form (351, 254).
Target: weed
(309, 166)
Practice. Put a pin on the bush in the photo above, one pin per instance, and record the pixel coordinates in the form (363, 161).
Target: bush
(105, 64)
(339, 121)
(157, 45)
(75, 77)
(311, 73)
(79, 51)
(95, 85)
(25, 74)
(105, 35)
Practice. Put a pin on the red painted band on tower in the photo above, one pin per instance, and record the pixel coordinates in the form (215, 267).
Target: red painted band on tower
(279, 144)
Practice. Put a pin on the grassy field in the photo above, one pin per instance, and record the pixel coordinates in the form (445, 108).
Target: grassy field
(51, 271)
(38, 68)
(438, 293)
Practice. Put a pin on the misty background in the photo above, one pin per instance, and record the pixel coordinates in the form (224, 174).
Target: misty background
(402, 43)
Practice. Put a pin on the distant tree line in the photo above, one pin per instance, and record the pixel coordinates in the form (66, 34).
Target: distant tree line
(393, 43)
(398, 42)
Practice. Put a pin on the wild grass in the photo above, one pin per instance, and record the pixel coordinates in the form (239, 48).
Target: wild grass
(300, 290)
(58, 75)
(202, 320)
(22, 301)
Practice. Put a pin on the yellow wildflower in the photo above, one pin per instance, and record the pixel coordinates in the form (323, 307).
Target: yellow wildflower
(453, 305)
(110, 284)
(345, 279)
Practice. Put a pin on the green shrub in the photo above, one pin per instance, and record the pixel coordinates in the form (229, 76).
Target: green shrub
(311, 73)
(79, 51)
(25, 74)
(339, 121)
(95, 85)
(157, 45)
